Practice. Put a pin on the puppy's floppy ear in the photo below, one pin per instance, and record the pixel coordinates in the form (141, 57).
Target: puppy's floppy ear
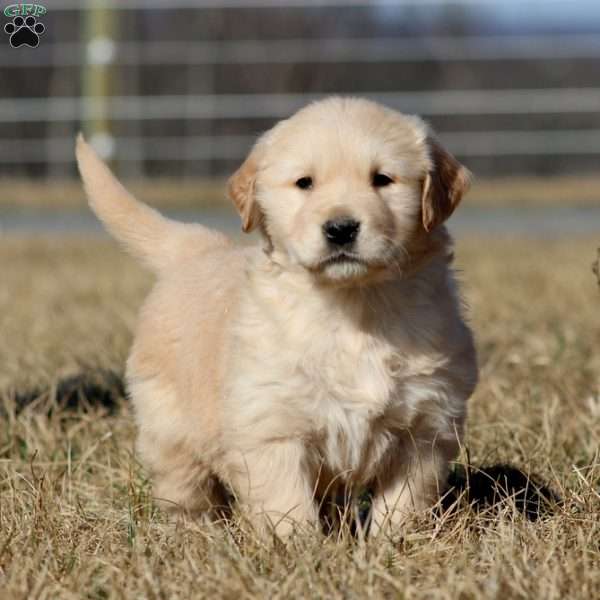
(241, 190)
(443, 187)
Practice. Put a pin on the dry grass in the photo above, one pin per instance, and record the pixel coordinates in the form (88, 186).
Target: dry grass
(580, 190)
(76, 516)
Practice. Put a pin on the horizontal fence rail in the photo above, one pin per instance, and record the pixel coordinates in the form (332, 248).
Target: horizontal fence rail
(202, 148)
(292, 51)
(244, 106)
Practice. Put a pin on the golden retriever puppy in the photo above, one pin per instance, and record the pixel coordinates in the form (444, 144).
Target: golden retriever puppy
(334, 352)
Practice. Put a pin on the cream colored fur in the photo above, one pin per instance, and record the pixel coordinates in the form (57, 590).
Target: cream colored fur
(281, 370)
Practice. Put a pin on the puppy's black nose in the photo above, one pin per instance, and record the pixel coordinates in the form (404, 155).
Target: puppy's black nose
(341, 231)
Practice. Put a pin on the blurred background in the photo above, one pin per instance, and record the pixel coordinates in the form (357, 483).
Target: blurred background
(174, 92)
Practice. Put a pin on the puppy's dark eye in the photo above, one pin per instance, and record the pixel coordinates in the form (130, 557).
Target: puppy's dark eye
(304, 183)
(381, 180)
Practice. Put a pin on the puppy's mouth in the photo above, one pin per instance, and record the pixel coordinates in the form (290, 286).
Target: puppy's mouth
(341, 258)
(343, 267)
(346, 267)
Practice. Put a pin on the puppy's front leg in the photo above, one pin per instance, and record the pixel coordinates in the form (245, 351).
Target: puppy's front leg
(275, 484)
(412, 481)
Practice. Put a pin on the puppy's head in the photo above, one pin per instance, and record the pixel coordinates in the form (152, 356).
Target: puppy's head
(349, 190)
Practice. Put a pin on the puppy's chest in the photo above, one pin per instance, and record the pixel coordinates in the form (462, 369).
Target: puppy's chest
(353, 373)
(334, 381)
(348, 385)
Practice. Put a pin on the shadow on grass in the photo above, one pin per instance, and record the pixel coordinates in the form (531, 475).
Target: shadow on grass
(491, 487)
(86, 390)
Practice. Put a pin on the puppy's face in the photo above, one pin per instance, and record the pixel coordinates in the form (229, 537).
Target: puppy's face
(347, 189)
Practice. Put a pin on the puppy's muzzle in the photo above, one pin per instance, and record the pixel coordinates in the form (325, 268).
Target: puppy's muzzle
(341, 231)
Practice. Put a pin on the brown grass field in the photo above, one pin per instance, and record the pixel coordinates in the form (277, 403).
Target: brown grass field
(76, 512)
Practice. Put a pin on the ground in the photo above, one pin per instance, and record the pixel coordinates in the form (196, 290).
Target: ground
(76, 512)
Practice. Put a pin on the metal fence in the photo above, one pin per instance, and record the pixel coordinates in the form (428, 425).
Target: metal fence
(516, 113)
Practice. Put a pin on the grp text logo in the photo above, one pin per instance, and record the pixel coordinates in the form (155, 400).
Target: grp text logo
(24, 29)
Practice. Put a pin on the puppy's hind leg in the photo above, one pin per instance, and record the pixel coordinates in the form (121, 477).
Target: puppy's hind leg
(183, 482)
(174, 448)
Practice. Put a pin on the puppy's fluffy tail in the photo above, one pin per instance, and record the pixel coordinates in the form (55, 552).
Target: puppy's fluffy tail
(149, 236)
